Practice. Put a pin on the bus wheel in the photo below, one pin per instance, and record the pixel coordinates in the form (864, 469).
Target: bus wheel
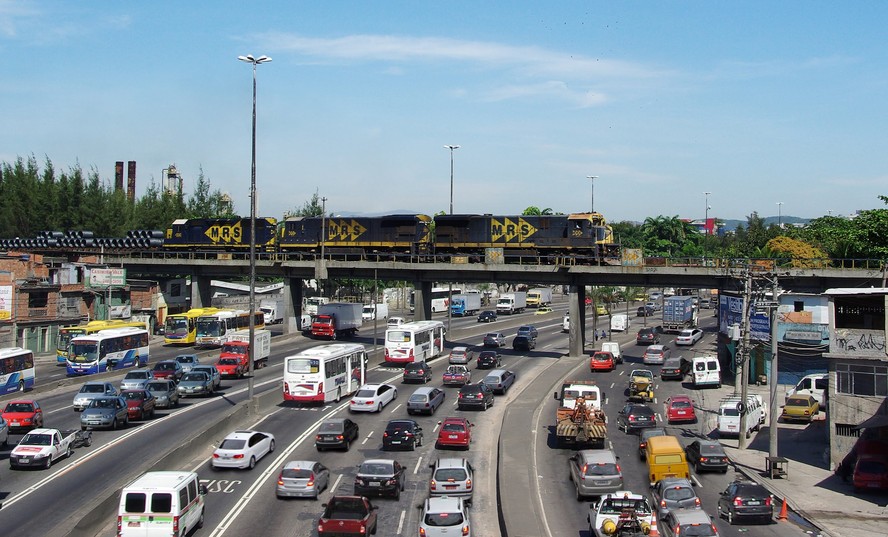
(338, 394)
(21, 386)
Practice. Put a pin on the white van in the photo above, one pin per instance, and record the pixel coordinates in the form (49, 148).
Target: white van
(729, 415)
(161, 503)
(614, 348)
(620, 322)
(706, 371)
(814, 385)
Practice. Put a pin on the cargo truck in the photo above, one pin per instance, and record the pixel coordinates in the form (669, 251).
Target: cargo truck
(679, 313)
(510, 303)
(579, 419)
(467, 304)
(312, 304)
(237, 348)
(540, 296)
(273, 310)
(375, 311)
(336, 320)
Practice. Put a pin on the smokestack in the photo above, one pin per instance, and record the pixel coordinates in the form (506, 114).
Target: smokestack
(131, 180)
(118, 175)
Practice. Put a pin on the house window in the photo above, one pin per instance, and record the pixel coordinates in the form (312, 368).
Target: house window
(37, 299)
(847, 429)
(798, 305)
(861, 312)
(862, 379)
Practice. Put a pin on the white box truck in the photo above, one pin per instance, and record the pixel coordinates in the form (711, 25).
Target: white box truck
(375, 311)
(510, 303)
(238, 346)
(273, 309)
(540, 296)
(620, 322)
(465, 304)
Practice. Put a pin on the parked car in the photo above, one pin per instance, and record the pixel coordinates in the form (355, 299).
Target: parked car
(302, 479)
(489, 360)
(417, 372)
(425, 400)
(689, 336)
(494, 339)
(106, 412)
(675, 368)
(745, 501)
(475, 395)
(674, 493)
(444, 516)
(452, 476)
(456, 375)
(91, 390)
(500, 380)
(634, 417)
(195, 383)
(164, 391)
(680, 408)
(187, 361)
(647, 336)
(528, 330)
(523, 343)
(707, 455)
(656, 355)
(402, 434)
(372, 398)
(680, 523)
(454, 432)
(870, 472)
(140, 404)
(168, 369)
(800, 408)
(380, 477)
(212, 372)
(336, 433)
(242, 449)
(136, 379)
(461, 356)
(487, 316)
(594, 472)
(23, 415)
(602, 361)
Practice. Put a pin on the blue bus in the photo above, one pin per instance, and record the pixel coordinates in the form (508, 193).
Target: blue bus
(115, 348)
(17, 372)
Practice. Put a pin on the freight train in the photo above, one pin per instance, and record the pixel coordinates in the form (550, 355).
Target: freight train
(586, 237)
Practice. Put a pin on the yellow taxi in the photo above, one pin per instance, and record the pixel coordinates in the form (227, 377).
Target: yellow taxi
(800, 408)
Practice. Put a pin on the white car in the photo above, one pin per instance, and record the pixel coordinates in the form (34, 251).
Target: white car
(689, 336)
(372, 398)
(610, 506)
(241, 449)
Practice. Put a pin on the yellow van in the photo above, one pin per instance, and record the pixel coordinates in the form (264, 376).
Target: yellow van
(665, 458)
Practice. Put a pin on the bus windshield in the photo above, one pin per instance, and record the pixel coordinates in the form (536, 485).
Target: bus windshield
(65, 336)
(398, 336)
(85, 352)
(303, 365)
(176, 327)
(209, 327)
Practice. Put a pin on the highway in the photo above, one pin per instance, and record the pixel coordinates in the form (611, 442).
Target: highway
(243, 502)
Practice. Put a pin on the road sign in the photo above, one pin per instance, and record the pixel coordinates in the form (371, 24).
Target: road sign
(107, 277)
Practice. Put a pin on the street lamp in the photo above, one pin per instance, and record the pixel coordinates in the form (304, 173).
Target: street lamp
(706, 226)
(593, 178)
(254, 61)
(451, 148)
(780, 214)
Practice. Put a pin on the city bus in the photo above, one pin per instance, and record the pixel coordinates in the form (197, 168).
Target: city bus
(115, 348)
(324, 373)
(66, 333)
(414, 342)
(17, 372)
(440, 298)
(212, 329)
(181, 328)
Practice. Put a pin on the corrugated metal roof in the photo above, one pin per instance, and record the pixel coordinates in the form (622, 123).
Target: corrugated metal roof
(857, 291)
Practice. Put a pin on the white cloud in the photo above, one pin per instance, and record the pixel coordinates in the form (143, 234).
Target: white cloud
(552, 88)
(11, 13)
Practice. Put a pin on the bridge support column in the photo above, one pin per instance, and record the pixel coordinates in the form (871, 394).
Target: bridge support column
(422, 301)
(577, 310)
(201, 293)
(292, 293)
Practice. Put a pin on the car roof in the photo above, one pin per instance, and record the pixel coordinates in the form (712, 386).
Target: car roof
(680, 397)
(453, 419)
(443, 504)
(94, 382)
(499, 372)
(691, 516)
(673, 359)
(656, 348)
(451, 462)
(425, 390)
(459, 349)
(369, 386)
(294, 465)
(20, 401)
(675, 482)
(379, 461)
(334, 420)
(641, 408)
(240, 435)
(595, 456)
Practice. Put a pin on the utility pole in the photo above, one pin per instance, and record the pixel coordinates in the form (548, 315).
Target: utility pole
(772, 436)
(743, 360)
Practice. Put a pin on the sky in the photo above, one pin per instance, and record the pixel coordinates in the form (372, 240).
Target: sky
(772, 107)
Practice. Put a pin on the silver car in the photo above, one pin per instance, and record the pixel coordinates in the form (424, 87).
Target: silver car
(673, 493)
(452, 476)
(164, 392)
(187, 361)
(136, 379)
(105, 412)
(444, 516)
(212, 372)
(302, 479)
(500, 380)
(91, 390)
(196, 383)
(595, 472)
(425, 400)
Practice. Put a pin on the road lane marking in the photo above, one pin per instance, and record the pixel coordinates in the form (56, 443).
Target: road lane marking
(401, 521)
(394, 409)
(336, 484)
(416, 469)
(696, 481)
(367, 438)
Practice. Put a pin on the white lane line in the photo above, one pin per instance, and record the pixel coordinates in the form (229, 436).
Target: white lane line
(367, 438)
(401, 521)
(540, 502)
(335, 484)
(613, 384)
(394, 409)
(416, 469)
(696, 482)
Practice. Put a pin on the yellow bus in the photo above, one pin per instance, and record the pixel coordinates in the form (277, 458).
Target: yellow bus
(212, 329)
(181, 328)
(88, 329)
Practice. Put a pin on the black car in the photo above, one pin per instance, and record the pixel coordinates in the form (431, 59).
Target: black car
(645, 311)
(487, 316)
(647, 336)
(475, 395)
(402, 434)
(675, 368)
(380, 477)
(643, 436)
(524, 343)
(634, 417)
(336, 433)
(707, 455)
(417, 372)
(528, 330)
(489, 360)
(745, 500)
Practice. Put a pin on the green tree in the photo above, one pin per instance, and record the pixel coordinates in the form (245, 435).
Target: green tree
(312, 207)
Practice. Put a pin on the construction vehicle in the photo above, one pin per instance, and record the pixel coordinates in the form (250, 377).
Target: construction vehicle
(579, 419)
(641, 385)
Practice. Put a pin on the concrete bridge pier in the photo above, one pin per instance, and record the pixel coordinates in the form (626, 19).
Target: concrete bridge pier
(422, 301)
(293, 295)
(577, 310)
(201, 292)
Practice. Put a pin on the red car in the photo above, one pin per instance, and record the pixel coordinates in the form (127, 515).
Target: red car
(455, 432)
(602, 361)
(230, 367)
(871, 472)
(23, 415)
(347, 515)
(139, 404)
(680, 408)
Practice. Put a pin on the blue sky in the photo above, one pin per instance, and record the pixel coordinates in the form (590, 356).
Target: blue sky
(755, 102)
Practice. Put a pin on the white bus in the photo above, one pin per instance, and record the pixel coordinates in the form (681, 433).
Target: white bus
(324, 373)
(17, 372)
(107, 350)
(440, 298)
(414, 342)
(213, 329)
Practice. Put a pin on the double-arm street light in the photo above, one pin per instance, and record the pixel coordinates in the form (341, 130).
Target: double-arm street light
(451, 148)
(780, 214)
(706, 226)
(593, 178)
(254, 61)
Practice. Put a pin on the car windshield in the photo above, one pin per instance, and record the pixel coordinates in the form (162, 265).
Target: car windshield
(686, 333)
(605, 468)
(134, 395)
(443, 519)
(296, 473)
(185, 359)
(137, 375)
(36, 440)
(233, 444)
(455, 369)
(303, 365)
(330, 427)
(697, 530)
(366, 393)
(681, 404)
(456, 352)
(229, 361)
(491, 379)
(792, 401)
(643, 373)
(158, 386)
(711, 449)
(165, 366)
(454, 427)
(102, 403)
(871, 467)
(492, 336)
(92, 388)
(417, 398)
(375, 468)
(615, 506)
(19, 407)
(195, 377)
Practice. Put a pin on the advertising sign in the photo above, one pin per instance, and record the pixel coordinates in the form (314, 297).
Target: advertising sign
(5, 302)
(107, 277)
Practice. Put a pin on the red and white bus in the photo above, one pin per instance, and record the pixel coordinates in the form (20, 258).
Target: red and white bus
(414, 342)
(324, 373)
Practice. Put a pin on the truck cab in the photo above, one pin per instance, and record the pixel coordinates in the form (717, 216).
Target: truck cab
(571, 391)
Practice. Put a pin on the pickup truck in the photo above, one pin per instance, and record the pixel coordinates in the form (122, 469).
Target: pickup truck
(41, 447)
(347, 515)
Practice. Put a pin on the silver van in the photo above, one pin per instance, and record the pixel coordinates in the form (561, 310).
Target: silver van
(814, 385)
(595, 472)
(159, 502)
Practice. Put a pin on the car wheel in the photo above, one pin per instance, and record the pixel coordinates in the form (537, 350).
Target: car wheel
(114, 424)
(21, 386)
(379, 407)
(252, 462)
(200, 521)
(395, 395)
(271, 447)
(338, 394)
(730, 517)
(83, 427)
(347, 444)
(398, 493)
(48, 463)
(69, 452)
(579, 496)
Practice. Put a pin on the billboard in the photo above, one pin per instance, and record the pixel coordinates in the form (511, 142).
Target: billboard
(107, 277)
(5, 302)
(730, 312)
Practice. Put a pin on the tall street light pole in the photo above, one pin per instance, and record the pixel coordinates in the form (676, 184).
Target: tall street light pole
(451, 148)
(593, 178)
(706, 227)
(780, 214)
(254, 61)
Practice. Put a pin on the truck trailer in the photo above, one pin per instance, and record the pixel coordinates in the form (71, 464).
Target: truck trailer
(540, 296)
(510, 303)
(337, 319)
(679, 313)
(465, 304)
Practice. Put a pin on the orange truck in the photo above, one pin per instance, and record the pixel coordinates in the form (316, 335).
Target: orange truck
(234, 358)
